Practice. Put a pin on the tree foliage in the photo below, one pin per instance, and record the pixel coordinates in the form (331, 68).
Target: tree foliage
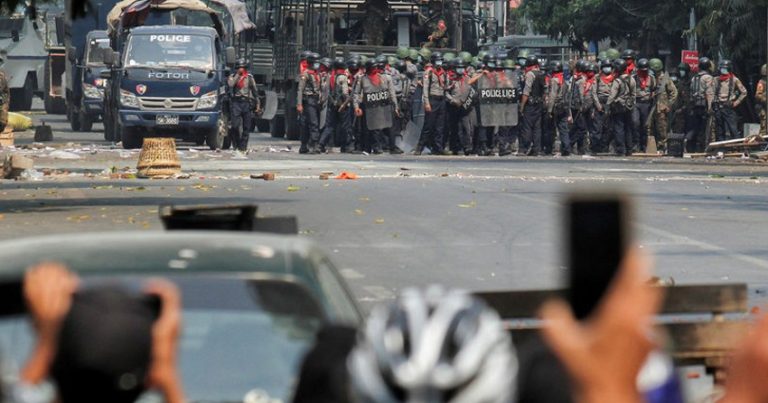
(733, 28)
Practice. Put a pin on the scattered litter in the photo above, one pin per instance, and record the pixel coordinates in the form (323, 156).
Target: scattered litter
(471, 204)
(64, 155)
(324, 177)
(444, 175)
(267, 176)
(359, 212)
(379, 221)
(346, 175)
(293, 188)
(31, 175)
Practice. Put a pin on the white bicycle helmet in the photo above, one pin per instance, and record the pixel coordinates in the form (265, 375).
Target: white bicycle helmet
(433, 346)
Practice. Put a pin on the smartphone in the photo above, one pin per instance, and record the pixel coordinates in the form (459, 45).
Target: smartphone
(597, 239)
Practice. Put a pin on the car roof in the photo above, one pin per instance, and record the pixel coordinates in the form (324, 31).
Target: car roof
(174, 30)
(156, 252)
(97, 34)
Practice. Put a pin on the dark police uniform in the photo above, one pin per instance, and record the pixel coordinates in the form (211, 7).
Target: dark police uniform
(432, 135)
(310, 87)
(336, 121)
(533, 110)
(621, 103)
(245, 100)
(729, 94)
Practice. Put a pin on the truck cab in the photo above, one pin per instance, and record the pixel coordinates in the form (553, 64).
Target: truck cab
(91, 108)
(170, 81)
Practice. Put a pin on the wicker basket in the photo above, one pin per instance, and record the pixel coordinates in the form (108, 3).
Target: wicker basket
(158, 158)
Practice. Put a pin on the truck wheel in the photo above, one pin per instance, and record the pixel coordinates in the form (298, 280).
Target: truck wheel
(131, 138)
(74, 122)
(277, 127)
(53, 105)
(86, 123)
(215, 138)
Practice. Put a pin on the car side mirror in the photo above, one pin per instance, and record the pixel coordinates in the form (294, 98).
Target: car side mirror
(230, 53)
(105, 74)
(72, 54)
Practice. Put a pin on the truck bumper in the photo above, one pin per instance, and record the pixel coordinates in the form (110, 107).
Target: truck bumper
(187, 119)
(93, 106)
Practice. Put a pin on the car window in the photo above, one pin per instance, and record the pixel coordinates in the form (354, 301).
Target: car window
(337, 294)
(239, 337)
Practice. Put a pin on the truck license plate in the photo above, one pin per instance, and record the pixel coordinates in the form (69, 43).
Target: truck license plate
(167, 119)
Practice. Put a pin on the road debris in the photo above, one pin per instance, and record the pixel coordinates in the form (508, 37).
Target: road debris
(347, 175)
(293, 188)
(267, 176)
(15, 165)
(64, 155)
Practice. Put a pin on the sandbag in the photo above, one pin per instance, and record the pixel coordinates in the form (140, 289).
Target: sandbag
(19, 122)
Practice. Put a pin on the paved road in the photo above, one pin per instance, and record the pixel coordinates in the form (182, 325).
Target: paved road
(479, 223)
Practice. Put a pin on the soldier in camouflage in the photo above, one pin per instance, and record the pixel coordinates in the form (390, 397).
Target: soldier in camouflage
(5, 100)
(666, 97)
(760, 98)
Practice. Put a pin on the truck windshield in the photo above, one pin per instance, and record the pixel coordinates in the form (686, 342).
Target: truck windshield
(170, 50)
(96, 49)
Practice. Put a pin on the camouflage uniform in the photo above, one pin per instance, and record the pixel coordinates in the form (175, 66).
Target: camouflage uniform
(666, 97)
(760, 99)
(5, 100)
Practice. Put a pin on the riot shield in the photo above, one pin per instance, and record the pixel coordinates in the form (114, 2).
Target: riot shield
(492, 99)
(378, 107)
(511, 97)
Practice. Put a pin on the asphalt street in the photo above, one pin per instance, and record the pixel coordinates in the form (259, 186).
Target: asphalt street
(482, 223)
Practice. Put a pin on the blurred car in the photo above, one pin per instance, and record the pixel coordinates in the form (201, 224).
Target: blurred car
(252, 302)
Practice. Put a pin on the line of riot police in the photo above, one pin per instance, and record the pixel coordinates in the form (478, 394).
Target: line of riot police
(491, 104)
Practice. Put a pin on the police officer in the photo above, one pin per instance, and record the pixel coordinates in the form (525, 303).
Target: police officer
(701, 96)
(244, 102)
(557, 109)
(629, 56)
(682, 108)
(532, 104)
(666, 97)
(760, 98)
(309, 103)
(338, 103)
(5, 99)
(588, 107)
(729, 94)
(352, 143)
(374, 101)
(620, 104)
(433, 98)
(460, 96)
(644, 97)
(576, 103)
(601, 140)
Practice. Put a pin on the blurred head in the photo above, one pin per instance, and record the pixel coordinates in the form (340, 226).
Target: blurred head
(606, 67)
(683, 70)
(725, 67)
(104, 347)
(704, 64)
(619, 67)
(441, 25)
(313, 61)
(437, 59)
(444, 344)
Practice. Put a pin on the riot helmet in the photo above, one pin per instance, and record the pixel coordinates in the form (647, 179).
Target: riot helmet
(704, 63)
(437, 59)
(555, 66)
(489, 60)
(725, 67)
(643, 64)
(241, 64)
(400, 66)
(339, 63)
(531, 61)
(606, 67)
(628, 54)
(619, 66)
